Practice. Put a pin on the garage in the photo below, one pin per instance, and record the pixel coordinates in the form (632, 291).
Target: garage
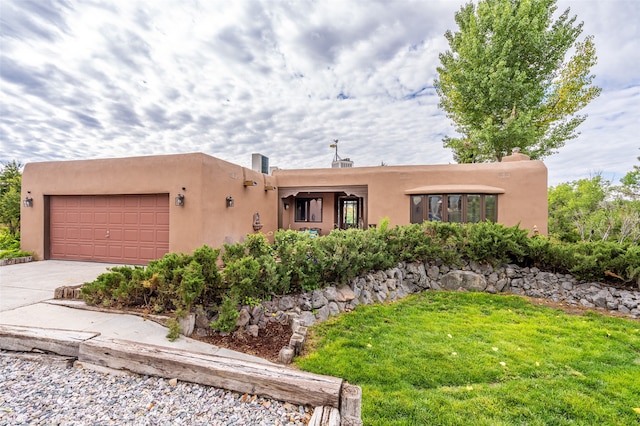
(127, 229)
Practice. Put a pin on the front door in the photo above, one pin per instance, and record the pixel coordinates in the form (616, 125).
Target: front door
(349, 212)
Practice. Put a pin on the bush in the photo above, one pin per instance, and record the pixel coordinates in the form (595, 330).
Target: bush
(255, 270)
(227, 315)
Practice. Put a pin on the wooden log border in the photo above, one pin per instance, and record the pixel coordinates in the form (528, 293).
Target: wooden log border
(268, 380)
(29, 339)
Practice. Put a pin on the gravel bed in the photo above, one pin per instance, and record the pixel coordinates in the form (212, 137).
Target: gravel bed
(37, 394)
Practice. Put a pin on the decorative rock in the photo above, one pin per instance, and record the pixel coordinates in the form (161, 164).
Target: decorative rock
(501, 284)
(307, 318)
(187, 324)
(286, 354)
(253, 330)
(243, 318)
(286, 303)
(202, 320)
(600, 299)
(334, 309)
(318, 300)
(323, 314)
(365, 297)
(257, 315)
(345, 294)
(330, 293)
(433, 272)
(465, 279)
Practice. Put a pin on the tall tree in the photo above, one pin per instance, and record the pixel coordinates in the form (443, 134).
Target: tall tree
(505, 82)
(10, 187)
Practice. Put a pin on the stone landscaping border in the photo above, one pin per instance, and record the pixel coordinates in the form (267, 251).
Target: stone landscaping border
(16, 260)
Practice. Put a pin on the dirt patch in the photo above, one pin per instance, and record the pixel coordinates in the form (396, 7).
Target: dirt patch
(266, 345)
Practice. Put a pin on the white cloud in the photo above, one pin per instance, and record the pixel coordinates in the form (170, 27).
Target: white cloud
(98, 79)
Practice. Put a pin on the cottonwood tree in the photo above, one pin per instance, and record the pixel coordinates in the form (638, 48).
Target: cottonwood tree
(506, 83)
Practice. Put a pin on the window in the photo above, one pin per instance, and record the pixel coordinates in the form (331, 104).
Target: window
(309, 210)
(460, 208)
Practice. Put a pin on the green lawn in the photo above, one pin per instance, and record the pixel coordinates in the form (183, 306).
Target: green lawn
(447, 358)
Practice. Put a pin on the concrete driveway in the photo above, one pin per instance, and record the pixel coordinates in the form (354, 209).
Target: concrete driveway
(26, 299)
(24, 284)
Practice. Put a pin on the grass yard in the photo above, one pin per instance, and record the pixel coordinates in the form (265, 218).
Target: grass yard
(449, 358)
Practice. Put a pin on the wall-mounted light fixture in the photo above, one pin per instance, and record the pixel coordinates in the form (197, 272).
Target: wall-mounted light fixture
(249, 183)
(286, 206)
(229, 201)
(28, 201)
(270, 188)
(180, 200)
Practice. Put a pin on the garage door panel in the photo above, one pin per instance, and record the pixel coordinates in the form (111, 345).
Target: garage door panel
(147, 218)
(147, 235)
(73, 217)
(162, 236)
(129, 229)
(86, 250)
(99, 217)
(86, 217)
(100, 250)
(162, 218)
(131, 218)
(115, 235)
(134, 202)
(117, 202)
(72, 234)
(115, 218)
(131, 235)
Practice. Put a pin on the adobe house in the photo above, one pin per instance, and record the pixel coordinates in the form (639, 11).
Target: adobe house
(132, 210)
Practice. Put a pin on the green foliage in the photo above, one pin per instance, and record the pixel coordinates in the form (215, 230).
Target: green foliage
(451, 358)
(254, 270)
(297, 261)
(493, 243)
(174, 329)
(593, 210)
(10, 187)
(505, 82)
(227, 315)
(176, 281)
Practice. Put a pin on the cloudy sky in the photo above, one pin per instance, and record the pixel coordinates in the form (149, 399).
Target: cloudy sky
(95, 79)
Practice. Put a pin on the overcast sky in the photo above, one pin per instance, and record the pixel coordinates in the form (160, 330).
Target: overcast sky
(96, 79)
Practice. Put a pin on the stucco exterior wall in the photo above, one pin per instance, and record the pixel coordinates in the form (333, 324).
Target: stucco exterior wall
(522, 199)
(207, 181)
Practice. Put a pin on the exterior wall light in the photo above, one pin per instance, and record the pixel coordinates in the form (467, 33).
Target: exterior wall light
(270, 188)
(28, 202)
(286, 206)
(180, 200)
(229, 201)
(249, 183)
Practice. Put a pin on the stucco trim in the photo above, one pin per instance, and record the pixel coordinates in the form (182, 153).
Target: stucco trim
(455, 189)
(355, 190)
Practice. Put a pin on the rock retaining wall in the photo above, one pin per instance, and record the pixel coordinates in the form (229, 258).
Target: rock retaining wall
(305, 309)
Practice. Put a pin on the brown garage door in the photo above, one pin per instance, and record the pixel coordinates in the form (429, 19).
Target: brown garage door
(131, 229)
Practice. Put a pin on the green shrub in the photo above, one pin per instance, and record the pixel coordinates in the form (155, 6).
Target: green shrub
(227, 315)
(174, 329)
(494, 243)
(297, 261)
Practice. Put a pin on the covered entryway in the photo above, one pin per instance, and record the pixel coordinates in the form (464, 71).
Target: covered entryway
(323, 208)
(130, 229)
